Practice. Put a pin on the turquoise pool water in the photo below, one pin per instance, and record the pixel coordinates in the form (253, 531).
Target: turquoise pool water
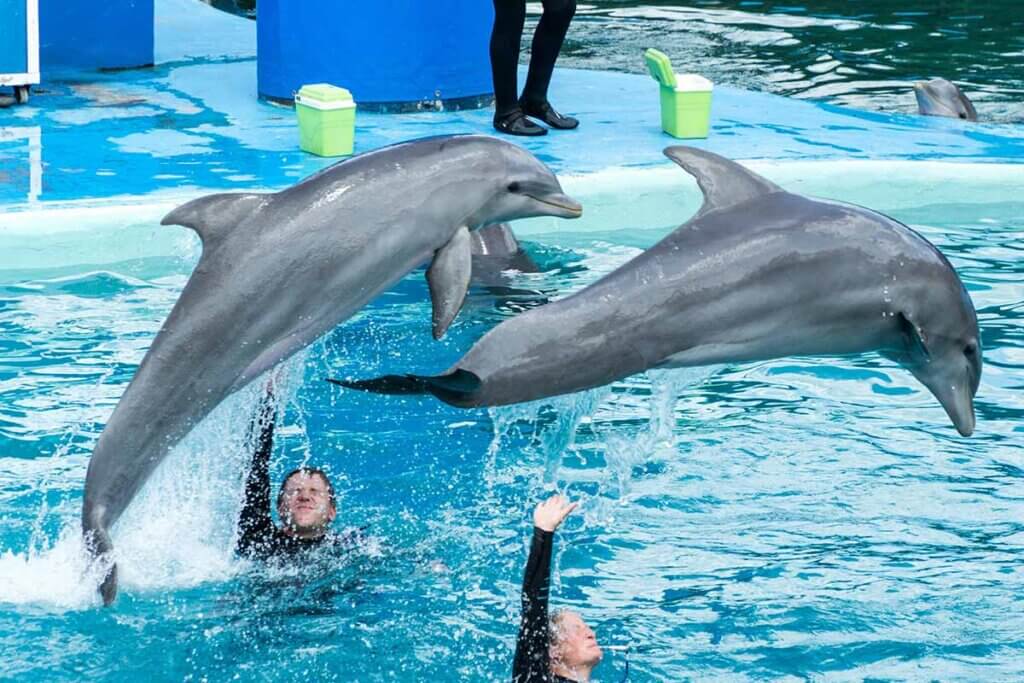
(803, 518)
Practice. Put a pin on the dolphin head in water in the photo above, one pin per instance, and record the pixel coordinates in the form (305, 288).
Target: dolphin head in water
(527, 188)
(941, 347)
(939, 97)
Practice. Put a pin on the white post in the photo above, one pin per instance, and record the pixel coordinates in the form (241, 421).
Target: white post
(32, 15)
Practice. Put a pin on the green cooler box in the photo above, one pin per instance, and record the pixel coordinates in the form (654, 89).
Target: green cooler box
(685, 98)
(327, 120)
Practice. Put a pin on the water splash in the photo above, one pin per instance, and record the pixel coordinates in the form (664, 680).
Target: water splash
(552, 425)
(179, 532)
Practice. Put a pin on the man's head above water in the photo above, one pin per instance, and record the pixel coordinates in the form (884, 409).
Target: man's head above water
(306, 503)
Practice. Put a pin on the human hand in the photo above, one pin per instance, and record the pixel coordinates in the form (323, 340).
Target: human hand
(549, 514)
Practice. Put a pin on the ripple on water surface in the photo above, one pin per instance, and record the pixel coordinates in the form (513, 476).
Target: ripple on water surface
(863, 54)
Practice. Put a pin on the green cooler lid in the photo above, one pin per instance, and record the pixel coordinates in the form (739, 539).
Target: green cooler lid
(660, 67)
(324, 96)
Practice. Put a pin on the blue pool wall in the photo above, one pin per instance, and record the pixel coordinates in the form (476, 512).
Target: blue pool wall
(110, 34)
(384, 52)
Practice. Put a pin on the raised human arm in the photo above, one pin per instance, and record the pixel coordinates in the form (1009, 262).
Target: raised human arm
(255, 525)
(532, 659)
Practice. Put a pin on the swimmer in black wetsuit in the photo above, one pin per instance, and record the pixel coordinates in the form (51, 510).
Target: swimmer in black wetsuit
(306, 503)
(510, 110)
(560, 648)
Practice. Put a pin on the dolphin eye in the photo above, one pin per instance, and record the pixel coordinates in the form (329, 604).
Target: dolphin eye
(962, 115)
(513, 187)
(970, 349)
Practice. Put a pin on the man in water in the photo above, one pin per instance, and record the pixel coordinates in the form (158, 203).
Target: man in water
(306, 503)
(560, 648)
(511, 110)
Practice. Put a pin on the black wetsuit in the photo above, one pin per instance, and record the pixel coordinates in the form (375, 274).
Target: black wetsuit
(532, 663)
(258, 536)
(509, 18)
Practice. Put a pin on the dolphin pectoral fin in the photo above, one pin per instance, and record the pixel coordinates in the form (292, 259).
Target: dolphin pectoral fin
(448, 278)
(216, 215)
(723, 182)
(454, 387)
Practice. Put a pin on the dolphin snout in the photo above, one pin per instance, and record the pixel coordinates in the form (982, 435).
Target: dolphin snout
(560, 205)
(958, 403)
(963, 420)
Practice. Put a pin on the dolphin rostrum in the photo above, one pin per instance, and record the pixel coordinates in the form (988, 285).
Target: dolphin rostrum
(757, 273)
(939, 97)
(278, 270)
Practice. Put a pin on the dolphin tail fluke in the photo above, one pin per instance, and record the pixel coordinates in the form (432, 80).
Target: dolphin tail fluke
(108, 589)
(97, 540)
(455, 387)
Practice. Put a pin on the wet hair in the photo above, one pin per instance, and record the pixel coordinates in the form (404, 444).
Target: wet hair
(309, 472)
(555, 625)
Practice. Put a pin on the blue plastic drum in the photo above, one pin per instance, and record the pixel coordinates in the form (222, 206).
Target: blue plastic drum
(391, 54)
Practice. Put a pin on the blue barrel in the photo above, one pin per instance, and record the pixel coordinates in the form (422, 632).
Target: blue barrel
(13, 37)
(391, 54)
(95, 35)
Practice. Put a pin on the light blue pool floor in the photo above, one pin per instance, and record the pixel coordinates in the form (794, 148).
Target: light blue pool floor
(193, 121)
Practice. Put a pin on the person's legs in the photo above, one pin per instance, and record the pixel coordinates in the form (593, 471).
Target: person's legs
(509, 17)
(547, 43)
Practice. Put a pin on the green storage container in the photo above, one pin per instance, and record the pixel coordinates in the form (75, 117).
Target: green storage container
(685, 98)
(327, 120)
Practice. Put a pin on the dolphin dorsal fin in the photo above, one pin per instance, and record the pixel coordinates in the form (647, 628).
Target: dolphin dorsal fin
(723, 182)
(215, 215)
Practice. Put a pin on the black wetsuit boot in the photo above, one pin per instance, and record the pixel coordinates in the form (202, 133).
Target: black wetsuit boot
(547, 43)
(511, 111)
(509, 18)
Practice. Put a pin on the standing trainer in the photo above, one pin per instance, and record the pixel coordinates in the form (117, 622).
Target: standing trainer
(511, 110)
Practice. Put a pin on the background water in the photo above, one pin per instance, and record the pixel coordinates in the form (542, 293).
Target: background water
(803, 518)
(858, 53)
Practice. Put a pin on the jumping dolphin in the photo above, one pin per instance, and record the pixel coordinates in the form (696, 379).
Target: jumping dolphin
(278, 270)
(757, 273)
(939, 97)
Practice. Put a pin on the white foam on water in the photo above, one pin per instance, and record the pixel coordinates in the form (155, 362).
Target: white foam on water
(60, 577)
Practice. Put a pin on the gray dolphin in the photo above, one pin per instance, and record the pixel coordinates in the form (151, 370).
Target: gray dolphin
(757, 273)
(278, 270)
(939, 97)
(496, 250)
